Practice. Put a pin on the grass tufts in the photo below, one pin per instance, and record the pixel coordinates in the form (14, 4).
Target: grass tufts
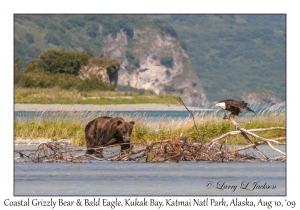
(71, 125)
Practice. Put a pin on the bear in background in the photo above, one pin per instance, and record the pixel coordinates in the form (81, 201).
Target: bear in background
(104, 131)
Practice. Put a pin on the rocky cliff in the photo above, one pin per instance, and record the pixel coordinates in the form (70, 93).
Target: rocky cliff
(107, 75)
(155, 61)
(259, 97)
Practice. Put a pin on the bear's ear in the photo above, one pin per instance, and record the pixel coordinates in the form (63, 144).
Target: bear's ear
(119, 122)
(132, 122)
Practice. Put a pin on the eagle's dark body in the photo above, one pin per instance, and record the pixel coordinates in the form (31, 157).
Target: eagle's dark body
(234, 106)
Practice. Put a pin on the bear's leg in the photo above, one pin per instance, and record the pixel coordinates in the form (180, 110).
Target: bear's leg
(98, 153)
(125, 147)
(90, 151)
(89, 147)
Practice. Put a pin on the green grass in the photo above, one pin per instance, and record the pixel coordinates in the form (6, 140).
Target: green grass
(61, 96)
(70, 125)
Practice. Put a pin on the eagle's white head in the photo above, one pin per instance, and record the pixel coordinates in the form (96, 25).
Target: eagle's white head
(221, 104)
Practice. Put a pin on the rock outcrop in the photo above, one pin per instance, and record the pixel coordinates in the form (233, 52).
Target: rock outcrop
(143, 66)
(109, 76)
(259, 97)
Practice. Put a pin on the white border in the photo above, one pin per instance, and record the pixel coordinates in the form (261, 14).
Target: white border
(154, 6)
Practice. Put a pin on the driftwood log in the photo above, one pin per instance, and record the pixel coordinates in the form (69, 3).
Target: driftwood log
(244, 133)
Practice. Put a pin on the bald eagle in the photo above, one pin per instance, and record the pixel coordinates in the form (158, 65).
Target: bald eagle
(234, 106)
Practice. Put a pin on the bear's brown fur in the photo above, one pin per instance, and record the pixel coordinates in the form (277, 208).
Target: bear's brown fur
(104, 131)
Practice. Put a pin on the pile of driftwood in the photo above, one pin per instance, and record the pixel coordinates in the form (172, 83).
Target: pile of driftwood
(49, 152)
(178, 149)
(175, 150)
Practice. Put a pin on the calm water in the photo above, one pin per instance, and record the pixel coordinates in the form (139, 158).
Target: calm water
(133, 178)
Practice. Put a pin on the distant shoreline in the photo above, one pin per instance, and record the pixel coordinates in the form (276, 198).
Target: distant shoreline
(112, 107)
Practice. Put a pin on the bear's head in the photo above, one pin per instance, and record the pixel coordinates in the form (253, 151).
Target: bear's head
(124, 130)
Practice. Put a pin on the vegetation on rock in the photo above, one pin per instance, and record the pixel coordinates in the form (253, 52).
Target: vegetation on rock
(59, 68)
(230, 53)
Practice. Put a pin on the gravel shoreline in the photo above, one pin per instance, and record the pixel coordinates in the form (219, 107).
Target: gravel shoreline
(91, 107)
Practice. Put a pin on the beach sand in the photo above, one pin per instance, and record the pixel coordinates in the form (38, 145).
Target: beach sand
(91, 107)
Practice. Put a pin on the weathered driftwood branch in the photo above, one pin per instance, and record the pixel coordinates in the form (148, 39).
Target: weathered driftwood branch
(266, 129)
(280, 138)
(248, 146)
(280, 158)
(238, 127)
(211, 142)
(244, 132)
(201, 139)
(254, 147)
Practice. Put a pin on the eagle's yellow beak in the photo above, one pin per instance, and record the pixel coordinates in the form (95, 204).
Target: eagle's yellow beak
(217, 104)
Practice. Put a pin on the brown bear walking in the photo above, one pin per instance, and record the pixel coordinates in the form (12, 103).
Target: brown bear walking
(104, 131)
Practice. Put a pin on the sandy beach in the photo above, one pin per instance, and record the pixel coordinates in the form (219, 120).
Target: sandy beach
(91, 107)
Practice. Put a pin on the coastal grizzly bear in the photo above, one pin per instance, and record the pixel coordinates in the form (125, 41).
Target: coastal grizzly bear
(104, 131)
